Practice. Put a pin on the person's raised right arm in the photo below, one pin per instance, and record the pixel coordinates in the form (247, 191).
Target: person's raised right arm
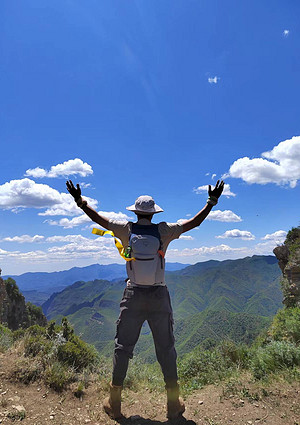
(96, 217)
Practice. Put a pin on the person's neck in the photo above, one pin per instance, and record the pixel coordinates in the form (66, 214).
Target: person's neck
(144, 217)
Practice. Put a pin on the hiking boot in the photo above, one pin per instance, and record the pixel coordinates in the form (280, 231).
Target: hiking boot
(112, 404)
(175, 404)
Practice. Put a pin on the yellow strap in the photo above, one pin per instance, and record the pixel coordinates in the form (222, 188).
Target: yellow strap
(117, 242)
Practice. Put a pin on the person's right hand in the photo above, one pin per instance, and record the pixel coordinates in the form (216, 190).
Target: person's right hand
(74, 191)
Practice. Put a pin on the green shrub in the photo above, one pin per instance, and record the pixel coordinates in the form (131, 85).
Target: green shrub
(286, 325)
(58, 376)
(77, 353)
(200, 368)
(292, 236)
(235, 353)
(6, 338)
(35, 345)
(18, 334)
(274, 357)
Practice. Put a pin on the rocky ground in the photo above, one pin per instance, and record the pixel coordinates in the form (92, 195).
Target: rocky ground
(234, 402)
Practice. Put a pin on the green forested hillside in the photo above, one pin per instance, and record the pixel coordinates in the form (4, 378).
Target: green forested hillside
(231, 299)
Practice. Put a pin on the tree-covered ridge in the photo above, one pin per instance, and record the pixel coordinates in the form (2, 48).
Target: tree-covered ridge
(246, 291)
(15, 313)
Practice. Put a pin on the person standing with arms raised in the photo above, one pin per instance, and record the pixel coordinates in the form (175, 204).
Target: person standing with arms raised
(146, 295)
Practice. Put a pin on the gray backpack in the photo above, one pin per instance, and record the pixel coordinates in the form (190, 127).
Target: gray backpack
(148, 265)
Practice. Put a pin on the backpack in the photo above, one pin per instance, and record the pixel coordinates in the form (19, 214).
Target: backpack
(148, 264)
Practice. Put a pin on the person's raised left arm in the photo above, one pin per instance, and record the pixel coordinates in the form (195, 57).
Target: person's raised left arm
(213, 196)
(81, 203)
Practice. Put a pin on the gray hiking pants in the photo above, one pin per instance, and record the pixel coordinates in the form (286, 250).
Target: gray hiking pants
(139, 304)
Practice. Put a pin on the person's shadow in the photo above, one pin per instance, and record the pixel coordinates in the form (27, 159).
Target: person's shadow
(138, 420)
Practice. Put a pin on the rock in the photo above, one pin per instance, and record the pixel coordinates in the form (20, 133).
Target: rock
(19, 408)
(288, 256)
(200, 402)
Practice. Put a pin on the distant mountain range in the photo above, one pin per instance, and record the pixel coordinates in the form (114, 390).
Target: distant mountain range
(38, 286)
(213, 300)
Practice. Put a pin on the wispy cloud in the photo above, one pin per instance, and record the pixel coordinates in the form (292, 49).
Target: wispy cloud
(68, 168)
(204, 189)
(24, 239)
(226, 216)
(213, 80)
(237, 234)
(286, 33)
(68, 248)
(204, 250)
(281, 165)
(83, 219)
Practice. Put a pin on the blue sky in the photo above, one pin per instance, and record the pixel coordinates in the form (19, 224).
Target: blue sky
(147, 97)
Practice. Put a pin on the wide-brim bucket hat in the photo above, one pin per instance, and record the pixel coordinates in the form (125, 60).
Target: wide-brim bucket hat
(145, 205)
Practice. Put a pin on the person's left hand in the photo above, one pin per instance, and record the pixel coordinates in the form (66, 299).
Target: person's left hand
(218, 189)
(74, 191)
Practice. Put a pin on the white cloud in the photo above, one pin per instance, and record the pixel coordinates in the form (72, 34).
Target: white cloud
(79, 247)
(204, 189)
(24, 239)
(281, 165)
(26, 193)
(277, 237)
(83, 219)
(237, 234)
(68, 207)
(227, 216)
(186, 237)
(204, 251)
(71, 167)
(213, 176)
(84, 185)
(286, 33)
(213, 80)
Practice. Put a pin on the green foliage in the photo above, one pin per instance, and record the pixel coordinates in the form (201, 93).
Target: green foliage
(6, 338)
(76, 353)
(274, 357)
(12, 290)
(238, 354)
(56, 355)
(286, 325)
(17, 415)
(57, 376)
(292, 241)
(18, 334)
(200, 368)
(292, 236)
(35, 314)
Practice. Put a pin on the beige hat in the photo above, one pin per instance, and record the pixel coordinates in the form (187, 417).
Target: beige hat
(145, 205)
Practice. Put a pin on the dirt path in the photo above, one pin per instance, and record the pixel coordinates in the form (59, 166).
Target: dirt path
(231, 403)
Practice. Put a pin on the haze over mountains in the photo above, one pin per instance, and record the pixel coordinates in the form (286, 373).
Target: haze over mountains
(213, 300)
